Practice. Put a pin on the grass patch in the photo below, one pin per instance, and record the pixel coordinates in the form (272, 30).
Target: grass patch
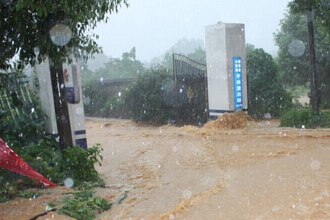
(9, 191)
(84, 205)
(305, 118)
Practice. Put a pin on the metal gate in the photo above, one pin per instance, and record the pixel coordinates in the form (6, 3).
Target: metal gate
(191, 97)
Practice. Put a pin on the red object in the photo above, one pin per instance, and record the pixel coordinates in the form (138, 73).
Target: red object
(11, 161)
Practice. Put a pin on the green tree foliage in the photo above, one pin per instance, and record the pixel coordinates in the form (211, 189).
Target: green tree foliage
(192, 48)
(23, 35)
(99, 102)
(116, 68)
(149, 96)
(265, 93)
(294, 71)
(185, 46)
(199, 55)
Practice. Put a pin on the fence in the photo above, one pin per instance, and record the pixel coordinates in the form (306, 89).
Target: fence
(15, 96)
(103, 98)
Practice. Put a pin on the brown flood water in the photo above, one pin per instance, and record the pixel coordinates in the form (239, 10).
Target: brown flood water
(261, 171)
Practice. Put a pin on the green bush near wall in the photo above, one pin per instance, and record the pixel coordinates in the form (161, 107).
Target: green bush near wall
(148, 99)
(305, 118)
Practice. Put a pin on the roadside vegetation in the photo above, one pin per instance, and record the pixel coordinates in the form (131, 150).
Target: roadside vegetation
(305, 118)
(22, 127)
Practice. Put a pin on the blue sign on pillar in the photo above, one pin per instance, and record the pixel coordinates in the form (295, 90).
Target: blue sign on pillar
(238, 82)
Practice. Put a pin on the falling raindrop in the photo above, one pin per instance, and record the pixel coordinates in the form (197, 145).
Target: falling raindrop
(101, 79)
(234, 148)
(80, 111)
(87, 100)
(32, 110)
(36, 51)
(48, 208)
(119, 94)
(60, 34)
(296, 48)
(187, 194)
(68, 182)
(315, 165)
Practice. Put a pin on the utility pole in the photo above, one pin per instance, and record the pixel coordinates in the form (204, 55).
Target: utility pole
(312, 60)
(61, 105)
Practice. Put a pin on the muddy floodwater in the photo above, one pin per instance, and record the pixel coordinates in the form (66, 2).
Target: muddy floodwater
(261, 171)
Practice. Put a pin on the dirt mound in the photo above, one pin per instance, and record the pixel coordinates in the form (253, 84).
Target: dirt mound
(230, 121)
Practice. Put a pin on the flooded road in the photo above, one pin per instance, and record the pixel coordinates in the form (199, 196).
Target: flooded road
(260, 171)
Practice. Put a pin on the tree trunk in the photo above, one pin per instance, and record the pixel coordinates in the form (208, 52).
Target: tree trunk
(312, 62)
(61, 106)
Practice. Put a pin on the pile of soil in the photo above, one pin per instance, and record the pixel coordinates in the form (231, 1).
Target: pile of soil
(230, 121)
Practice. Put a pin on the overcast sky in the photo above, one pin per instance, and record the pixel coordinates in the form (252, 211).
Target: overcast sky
(153, 26)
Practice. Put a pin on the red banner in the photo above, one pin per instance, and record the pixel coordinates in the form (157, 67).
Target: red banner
(11, 161)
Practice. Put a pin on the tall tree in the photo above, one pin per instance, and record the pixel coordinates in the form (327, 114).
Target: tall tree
(26, 25)
(265, 93)
(306, 6)
(116, 68)
(193, 47)
(36, 29)
(294, 70)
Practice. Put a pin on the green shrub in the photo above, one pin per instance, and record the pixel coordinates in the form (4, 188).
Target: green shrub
(300, 117)
(84, 206)
(115, 107)
(78, 164)
(75, 162)
(97, 98)
(25, 134)
(148, 99)
(102, 104)
(17, 188)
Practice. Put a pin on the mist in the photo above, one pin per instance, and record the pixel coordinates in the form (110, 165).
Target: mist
(152, 27)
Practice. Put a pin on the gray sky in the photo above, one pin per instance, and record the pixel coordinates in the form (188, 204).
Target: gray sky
(153, 26)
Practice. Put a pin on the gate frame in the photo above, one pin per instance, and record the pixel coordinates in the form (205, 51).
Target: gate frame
(197, 65)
